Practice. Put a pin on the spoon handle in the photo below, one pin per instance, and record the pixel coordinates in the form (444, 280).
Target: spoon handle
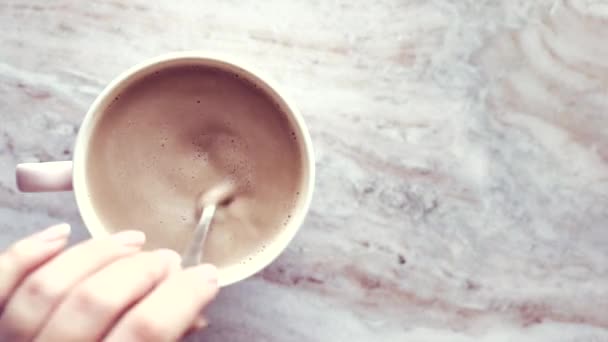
(194, 252)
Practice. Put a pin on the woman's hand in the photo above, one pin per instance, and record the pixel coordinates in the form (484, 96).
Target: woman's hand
(99, 289)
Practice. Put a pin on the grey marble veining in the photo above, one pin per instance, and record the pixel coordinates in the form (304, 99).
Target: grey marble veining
(462, 150)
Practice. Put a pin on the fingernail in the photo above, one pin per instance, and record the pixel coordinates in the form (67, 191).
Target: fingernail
(54, 233)
(169, 256)
(208, 272)
(200, 322)
(130, 237)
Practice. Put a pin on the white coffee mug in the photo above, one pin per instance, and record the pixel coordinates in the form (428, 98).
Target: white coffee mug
(70, 175)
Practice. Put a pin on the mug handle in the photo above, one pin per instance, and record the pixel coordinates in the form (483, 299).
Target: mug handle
(44, 177)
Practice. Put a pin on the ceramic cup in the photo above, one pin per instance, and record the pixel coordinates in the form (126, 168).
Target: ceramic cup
(70, 175)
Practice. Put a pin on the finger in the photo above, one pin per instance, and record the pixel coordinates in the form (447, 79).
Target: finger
(27, 254)
(170, 310)
(97, 302)
(41, 291)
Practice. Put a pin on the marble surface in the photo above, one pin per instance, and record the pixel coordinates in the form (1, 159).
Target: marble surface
(462, 153)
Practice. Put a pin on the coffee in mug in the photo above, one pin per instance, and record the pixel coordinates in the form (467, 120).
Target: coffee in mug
(175, 127)
(174, 134)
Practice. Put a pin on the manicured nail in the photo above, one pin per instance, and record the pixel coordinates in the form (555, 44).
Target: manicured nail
(130, 237)
(54, 233)
(208, 272)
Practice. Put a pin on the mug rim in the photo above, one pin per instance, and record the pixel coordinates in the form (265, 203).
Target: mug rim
(232, 273)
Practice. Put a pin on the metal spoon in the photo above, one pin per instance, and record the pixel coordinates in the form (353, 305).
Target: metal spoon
(221, 194)
(193, 254)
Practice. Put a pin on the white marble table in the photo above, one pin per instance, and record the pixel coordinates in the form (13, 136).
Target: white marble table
(462, 152)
